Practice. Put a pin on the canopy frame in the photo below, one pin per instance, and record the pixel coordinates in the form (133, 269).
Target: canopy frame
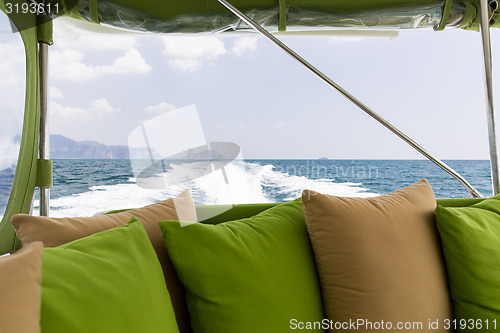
(43, 141)
(488, 76)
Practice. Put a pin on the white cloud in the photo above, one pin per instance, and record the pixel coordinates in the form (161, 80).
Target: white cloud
(193, 47)
(76, 121)
(68, 56)
(186, 64)
(160, 108)
(131, 62)
(55, 93)
(61, 114)
(192, 53)
(88, 41)
(100, 106)
(244, 44)
(103, 43)
(69, 65)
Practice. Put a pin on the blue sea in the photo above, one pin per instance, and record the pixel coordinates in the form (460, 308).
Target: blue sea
(85, 187)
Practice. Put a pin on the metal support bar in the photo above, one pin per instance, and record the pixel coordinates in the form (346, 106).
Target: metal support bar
(43, 143)
(358, 103)
(490, 111)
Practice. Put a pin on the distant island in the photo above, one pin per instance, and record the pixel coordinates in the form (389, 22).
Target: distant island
(323, 158)
(62, 147)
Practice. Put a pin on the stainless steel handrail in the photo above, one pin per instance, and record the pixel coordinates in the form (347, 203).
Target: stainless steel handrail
(474, 192)
(490, 110)
(43, 143)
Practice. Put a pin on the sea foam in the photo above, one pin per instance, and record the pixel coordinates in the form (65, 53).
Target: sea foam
(247, 183)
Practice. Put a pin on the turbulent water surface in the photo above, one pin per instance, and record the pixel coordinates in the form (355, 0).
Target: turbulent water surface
(83, 187)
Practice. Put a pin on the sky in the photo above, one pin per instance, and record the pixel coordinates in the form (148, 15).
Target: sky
(249, 92)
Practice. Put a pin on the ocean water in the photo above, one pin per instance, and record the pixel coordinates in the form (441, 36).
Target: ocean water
(85, 187)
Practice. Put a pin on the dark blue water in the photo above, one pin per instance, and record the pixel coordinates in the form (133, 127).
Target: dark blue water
(78, 176)
(378, 176)
(275, 180)
(384, 176)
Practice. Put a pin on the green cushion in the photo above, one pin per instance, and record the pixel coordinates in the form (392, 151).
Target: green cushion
(470, 238)
(250, 275)
(108, 282)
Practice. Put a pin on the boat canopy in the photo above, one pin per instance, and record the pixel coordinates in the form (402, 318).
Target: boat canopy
(280, 15)
(33, 21)
(208, 16)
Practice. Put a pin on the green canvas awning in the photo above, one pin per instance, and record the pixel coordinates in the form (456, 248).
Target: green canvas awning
(197, 16)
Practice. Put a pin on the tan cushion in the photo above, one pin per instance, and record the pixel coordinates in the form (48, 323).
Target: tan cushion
(57, 231)
(379, 259)
(20, 290)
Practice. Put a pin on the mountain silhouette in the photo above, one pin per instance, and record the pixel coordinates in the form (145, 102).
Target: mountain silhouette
(62, 147)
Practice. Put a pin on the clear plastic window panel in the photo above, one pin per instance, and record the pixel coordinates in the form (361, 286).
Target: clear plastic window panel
(426, 16)
(12, 91)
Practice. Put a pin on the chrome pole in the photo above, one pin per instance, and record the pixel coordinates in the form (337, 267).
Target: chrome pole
(43, 143)
(475, 193)
(490, 111)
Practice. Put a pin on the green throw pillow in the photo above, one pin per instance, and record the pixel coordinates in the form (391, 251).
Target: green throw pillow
(250, 275)
(470, 239)
(108, 282)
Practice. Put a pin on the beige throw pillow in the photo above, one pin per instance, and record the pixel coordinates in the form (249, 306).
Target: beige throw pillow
(57, 231)
(379, 260)
(20, 290)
